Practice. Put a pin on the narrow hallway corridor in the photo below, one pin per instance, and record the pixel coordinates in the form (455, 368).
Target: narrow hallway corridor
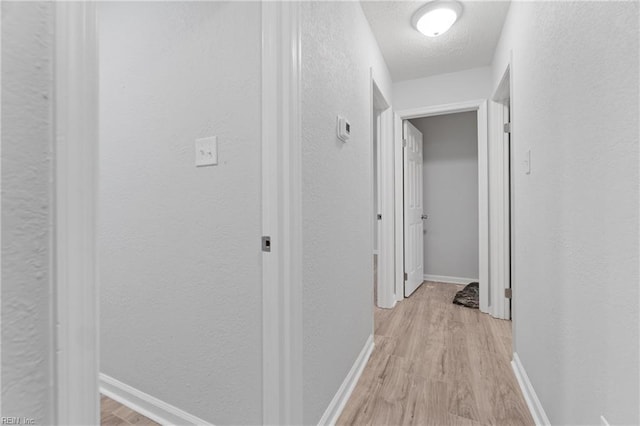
(436, 363)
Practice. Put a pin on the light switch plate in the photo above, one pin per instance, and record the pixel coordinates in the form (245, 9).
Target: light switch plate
(207, 151)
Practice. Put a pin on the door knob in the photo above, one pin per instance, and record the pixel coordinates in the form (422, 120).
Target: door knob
(425, 216)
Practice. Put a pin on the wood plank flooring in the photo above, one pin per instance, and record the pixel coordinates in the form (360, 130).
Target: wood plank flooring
(436, 363)
(112, 413)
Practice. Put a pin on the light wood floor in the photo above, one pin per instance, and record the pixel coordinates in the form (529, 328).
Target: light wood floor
(114, 413)
(436, 363)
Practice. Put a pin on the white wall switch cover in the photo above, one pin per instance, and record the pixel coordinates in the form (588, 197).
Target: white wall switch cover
(207, 151)
(527, 162)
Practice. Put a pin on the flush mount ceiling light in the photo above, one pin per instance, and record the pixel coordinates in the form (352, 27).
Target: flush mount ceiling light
(436, 17)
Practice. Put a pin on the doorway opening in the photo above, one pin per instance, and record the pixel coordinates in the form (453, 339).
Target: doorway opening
(410, 221)
(441, 200)
(246, 157)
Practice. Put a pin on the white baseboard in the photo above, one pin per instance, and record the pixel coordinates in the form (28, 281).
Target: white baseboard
(535, 407)
(449, 280)
(147, 405)
(333, 411)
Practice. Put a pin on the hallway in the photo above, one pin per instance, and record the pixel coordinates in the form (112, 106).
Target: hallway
(192, 193)
(436, 363)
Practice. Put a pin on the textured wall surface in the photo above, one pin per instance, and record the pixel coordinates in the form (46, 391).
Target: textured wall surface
(450, 191)
(338, 50)
(442, 89)
(27, 130)
(180, 260)
(575, 106)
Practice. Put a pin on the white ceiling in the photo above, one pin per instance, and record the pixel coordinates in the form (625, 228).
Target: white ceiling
(409, 54)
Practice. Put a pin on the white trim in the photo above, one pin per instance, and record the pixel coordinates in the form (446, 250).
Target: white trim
(291, 357)
(52, 324)
(76, 160)
(271, 294)
(449, 280)
(529, 393)
(333, 411)
(386, 260)
(499, 202)
(382, 115)
(480, 106)
(431, 111)
(483, 207)
(399, 208)
(147, 405)
(512, 201)
(282, 206)
(498, 215)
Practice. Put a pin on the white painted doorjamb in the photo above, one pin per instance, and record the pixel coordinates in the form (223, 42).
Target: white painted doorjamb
(499, 203)
(483, 207)
(76, 164)
(480, 106)
(282, 206)
(512, 200)
(498, 214)
(386, 287)
(386, 258)
(1, 187)
(377, 124)
(398, 190)
(271, 292)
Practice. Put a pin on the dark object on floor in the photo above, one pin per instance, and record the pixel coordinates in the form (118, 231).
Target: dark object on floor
(469, 296)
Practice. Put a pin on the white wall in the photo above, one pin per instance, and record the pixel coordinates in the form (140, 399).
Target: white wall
(575, 106)
(338, 50)
(27, 137)
(450, 191)
(180, 260)
(442, 89)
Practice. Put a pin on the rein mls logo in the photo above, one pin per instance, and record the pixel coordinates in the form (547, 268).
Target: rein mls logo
(17, 421)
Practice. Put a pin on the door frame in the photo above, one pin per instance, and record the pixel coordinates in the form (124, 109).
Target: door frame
(502, 197)
(499, 201)
(75, 323)
(282, 213)
(382, 118)
(480, 106)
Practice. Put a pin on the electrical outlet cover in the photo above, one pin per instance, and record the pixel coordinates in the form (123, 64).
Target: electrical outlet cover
(207, 151)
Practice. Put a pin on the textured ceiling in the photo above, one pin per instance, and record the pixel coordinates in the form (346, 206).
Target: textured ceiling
(468, 44)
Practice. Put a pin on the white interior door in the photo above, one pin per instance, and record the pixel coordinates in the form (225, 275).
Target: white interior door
(413, 227)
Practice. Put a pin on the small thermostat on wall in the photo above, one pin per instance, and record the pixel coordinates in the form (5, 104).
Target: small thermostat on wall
(344, 129)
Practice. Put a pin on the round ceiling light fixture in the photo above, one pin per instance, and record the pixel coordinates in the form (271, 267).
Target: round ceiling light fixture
(436, 17)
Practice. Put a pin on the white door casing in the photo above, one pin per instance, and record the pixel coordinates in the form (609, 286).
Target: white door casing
(75, 365)
(413, 226)
(500, 202)
(75, 323)
(507, 209)
(480, 106)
